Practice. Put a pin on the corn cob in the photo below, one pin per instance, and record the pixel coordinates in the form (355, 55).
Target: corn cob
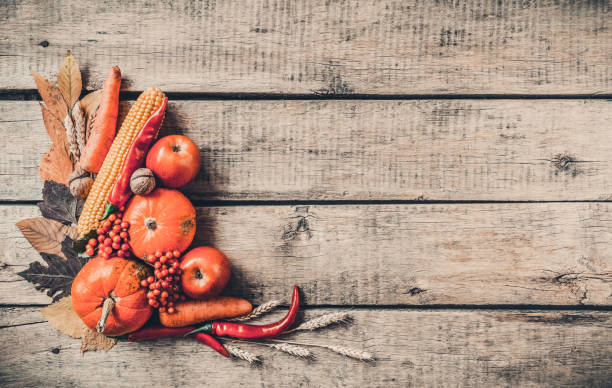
(145, 105)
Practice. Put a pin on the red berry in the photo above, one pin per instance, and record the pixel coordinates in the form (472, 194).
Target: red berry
(163, 259)
(125, 247)
(112, 217)
(164, 273)
(116, 229)
(101, 238)
(152, 286)
(175, 264)
(125, 224)
(105, 255)
(116, 246)
(164, 294)
(116, 238)
(150, 295)
(89, 252)
(108, 241)
(123, 234)
(144, 283)
(121, 253)
(106, 224)
(162, 309)
(152, 302)
(93, 242)
(157, 264)
(171, 270)
(111, 234)
(150, 279)
(170, 310)
(176, 254)
(122, 209)
(108, 250)
(158, 254)
(156, 292)
(175, 296)
(117, 222)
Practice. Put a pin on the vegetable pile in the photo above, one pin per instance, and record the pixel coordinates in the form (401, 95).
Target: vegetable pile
(115, 232)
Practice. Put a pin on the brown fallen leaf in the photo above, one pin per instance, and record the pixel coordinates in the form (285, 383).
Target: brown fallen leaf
(92, 340)
(46, 235)
(51, 96)
(55, 129)
(69, 80)
(63, 318)
(55, 166)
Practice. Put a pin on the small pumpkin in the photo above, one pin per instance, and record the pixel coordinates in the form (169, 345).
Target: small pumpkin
(163, 221)
(108, 297)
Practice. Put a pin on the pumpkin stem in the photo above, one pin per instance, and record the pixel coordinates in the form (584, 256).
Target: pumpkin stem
(107, 307)
(150, 223)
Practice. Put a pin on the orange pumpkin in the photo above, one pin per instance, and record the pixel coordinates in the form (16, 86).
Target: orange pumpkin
(163, 221)
(107, 295)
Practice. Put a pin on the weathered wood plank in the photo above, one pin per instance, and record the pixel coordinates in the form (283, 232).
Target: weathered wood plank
(544, 253)
(414, 348)
(354, 150)
(320, 46)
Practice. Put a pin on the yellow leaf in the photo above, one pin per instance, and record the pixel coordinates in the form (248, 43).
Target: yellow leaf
(69, 80)
(46, 235)
(51, 95)
(63, 318)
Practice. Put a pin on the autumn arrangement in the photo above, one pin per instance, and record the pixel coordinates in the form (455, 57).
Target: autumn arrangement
(115, 233)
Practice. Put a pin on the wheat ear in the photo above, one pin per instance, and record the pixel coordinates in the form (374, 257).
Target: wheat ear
(258, 311)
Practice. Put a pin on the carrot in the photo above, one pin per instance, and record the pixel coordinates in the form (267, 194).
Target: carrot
(104, 127)
(196, 311)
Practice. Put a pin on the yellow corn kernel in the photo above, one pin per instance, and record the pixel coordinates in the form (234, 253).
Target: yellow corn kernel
(147, 103)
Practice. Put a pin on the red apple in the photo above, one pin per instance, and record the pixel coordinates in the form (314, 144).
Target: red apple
(205, 272)
(175, 160)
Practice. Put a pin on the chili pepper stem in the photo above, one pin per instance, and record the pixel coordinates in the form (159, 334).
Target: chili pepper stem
(205, 328)
(108, 210)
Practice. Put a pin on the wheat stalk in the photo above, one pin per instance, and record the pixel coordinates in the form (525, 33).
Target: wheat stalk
(72, 140)
(260, 310)
(78, 116)
(242, 354)
(322, 321)
(294, 350)
(348, 352)
(352, 353)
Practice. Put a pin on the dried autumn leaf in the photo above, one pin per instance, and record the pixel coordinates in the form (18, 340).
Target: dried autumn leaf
(69, 80)
(55, 166)
(89, 106)
(92, 340)
(62, 317)
(90, 102)
(56, 130)
(51, 95)
(59, 273)
(59, 204)
(46, 235)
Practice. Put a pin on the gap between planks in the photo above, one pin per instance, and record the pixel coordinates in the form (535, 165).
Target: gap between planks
(33, 95)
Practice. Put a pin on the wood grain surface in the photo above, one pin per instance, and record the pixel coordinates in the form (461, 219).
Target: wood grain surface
(480, 254)
(316, 47)
(413, 348)
(439, 169)
(500, 150)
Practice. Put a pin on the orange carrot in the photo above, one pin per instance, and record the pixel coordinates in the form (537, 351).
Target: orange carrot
(196, 311)
(104, 127)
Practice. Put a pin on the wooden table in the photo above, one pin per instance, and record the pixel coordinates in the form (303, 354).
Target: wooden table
(442, 170)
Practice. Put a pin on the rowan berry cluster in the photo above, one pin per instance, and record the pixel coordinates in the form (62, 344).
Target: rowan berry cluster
(165, 286)
(113, 238)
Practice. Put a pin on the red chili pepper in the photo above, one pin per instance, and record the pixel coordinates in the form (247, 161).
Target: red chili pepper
(154, 332)
(212, 342)
(134, 159)
(246, 331)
